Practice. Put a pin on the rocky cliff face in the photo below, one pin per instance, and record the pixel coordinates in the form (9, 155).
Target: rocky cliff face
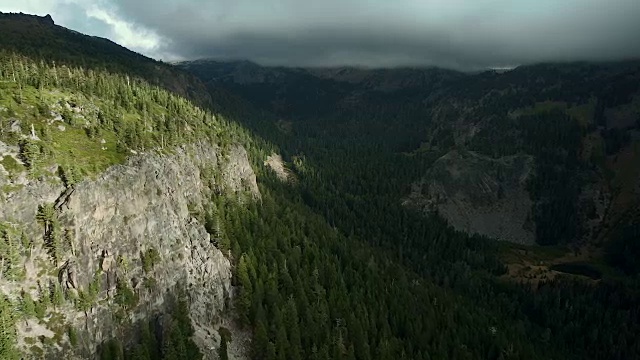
(126, 242)
(478, 194)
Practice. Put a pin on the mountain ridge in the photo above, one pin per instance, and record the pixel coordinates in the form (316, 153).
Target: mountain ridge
(40, 38)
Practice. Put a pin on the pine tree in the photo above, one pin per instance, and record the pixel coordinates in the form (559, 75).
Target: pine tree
(46, 214)
(26, 242)
(222, 351)
(246, 290)
(271, 352)
(260, 342)
(68, 175)
(29, 152)
(10, 267)
(282, 344)
(73, 336)
(55, 241)
(58, 296)
(7, 330)
(291, 323)
(28, 305)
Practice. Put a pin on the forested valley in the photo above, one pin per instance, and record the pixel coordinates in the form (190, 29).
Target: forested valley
(352, 164)
(330, 264)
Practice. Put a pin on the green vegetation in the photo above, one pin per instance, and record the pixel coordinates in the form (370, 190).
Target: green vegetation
(149, 259)
(149, 283)
(225, 337)
(338, 250)
(10, 253)
(41, 40)
(296, 272)
(53, 231)
(578, 268)
(554, 140)
(73, 336)
(331, 266)
(7, 330)
(173, 344)
(28, 305)
(89, 119)
(125, 296)
(10, 164)
(347, 297)
(623, 251)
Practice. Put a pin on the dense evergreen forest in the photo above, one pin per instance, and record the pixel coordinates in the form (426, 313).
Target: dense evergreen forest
(466, 267)
(543, 110)
(354, 164)
(331, 265)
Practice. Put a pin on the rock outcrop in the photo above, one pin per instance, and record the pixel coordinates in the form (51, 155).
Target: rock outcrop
(134, 227)
(237, 172)
(275, 163)
(478, 194)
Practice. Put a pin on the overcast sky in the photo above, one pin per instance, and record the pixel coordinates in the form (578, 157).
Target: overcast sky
(461, 34)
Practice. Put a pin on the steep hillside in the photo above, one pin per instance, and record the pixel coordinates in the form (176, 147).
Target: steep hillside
(106, 188)
(40, 38)
(114, 253)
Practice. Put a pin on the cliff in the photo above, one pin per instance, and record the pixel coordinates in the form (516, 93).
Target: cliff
(120, 246)
(479, 194)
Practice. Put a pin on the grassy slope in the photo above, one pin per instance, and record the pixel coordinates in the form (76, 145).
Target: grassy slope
(70, 146)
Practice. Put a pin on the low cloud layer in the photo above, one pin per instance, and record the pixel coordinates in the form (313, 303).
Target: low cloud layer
(461, 34)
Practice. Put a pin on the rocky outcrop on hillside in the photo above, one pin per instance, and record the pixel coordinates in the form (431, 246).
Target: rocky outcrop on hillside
(237, 172)
(133, 231)
(275, 163)
(478, 194)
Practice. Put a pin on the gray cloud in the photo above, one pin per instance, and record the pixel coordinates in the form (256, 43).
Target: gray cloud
(462, 34)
